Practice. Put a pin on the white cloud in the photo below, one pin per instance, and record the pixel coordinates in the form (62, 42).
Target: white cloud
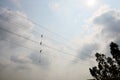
(15, 60)
(105, 27)
(18, 63)
(55, 6)
(108, 22)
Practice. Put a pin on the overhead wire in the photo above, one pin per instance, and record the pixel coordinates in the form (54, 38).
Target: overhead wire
(13, 42)
(36, 42)
(32, 49)
(35, 49)
(44, 28)
(70, 48)
(67, 46)
(31, 39)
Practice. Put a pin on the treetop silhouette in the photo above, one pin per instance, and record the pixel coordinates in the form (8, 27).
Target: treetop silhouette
(108, 68)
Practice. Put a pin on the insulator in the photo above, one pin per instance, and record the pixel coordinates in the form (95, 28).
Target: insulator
(40, 51)
(41, 36)
(40, 43)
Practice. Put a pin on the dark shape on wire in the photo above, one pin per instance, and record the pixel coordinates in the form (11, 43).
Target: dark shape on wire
(40, 51)
(40, 43)
(41, 36)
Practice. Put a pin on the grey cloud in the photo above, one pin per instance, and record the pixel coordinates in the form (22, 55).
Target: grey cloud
(108, 29)
(3, 65)
(87, 50)
(16, 22)
(110, 23)
(7, 47)
(40, 59)
(6, 17)
(16, 59)
(17, 62)
(12, 21)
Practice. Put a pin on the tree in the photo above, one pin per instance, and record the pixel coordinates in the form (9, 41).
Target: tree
(108, 68)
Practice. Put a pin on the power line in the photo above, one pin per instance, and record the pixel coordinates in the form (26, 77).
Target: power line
(60, 50)
(35, 49)
(13, 33)
(11, 42)
(27, 37)
(47, 37)
(67, 46)
(36, 42)
(43, 27)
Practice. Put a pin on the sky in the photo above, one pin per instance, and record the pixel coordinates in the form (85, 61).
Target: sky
(73, 31)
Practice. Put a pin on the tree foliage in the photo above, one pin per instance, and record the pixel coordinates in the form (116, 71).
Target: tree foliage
(108, 68)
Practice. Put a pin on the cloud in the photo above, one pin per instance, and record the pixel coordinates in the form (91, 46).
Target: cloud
(19, 63)
(39, 60)
(17, 3)
(54, 6)
(103, 27)
(16, 61)
(105, 24)
(13, 22)
(109, 22)
(87, 50)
